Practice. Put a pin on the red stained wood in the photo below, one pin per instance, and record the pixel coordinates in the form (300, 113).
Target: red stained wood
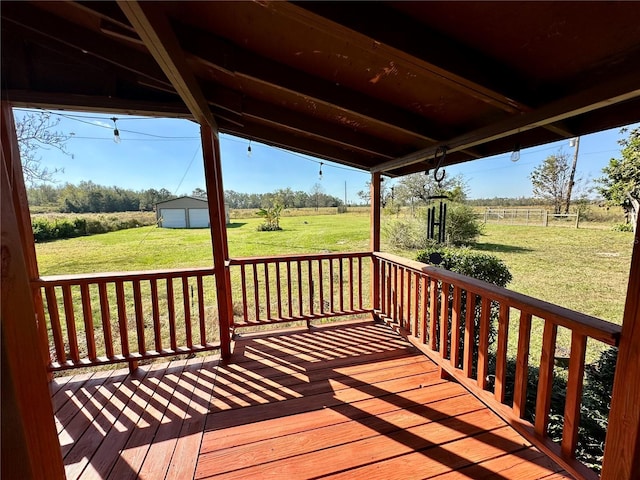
(256, 298)
(444, 317)
(88, 321)
(267, 290)
(243, 281)
(483, 347)
(105, 315)
(545, 380)
(70, 318)
(201, 310)
(574, 394)
(289, 296)
(171, 314)
(155, 313)
(501, 352)
(279, 290)
(54, 318)
(522, 365)
(350, 400)
(455, 327)
(122, 318)
(433, 313)
(469, 334)
(423, 310)
(187, 312)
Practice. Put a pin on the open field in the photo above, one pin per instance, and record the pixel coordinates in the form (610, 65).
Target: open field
(585, 269)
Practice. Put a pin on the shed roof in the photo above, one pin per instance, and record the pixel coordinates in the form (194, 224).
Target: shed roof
(200, 199)
(378, 86)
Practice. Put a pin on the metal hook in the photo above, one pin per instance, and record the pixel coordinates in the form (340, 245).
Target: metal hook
(442, 153)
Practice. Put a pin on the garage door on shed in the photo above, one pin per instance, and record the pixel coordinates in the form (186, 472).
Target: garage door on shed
(173, 217)
(198, 218)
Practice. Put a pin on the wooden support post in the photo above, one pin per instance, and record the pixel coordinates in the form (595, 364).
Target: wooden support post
(622, 447)
(217, 220)
(375, 239)
(23, 216)
(30, 447)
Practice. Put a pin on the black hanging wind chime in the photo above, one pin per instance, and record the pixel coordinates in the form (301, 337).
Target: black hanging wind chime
(437, 216)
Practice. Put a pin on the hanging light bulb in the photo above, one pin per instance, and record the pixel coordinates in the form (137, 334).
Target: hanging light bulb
(116, 132)
(320, 172)
(249, 150)
(515, 155)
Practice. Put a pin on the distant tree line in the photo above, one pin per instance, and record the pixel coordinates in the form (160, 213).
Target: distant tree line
(285, 197)
(88, 197)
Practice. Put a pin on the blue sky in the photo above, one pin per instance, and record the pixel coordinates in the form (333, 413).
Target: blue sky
(166, 153)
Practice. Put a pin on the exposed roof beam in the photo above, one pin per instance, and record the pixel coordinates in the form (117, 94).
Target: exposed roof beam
(155, 31)
(84, 41)
(474, 74)
(296, 143)
(601, 96)
(316, 128)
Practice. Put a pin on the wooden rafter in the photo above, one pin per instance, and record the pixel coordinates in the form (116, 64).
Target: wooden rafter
(601, 96)
(155, 31)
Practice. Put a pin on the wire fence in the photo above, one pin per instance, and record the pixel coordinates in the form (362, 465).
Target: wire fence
(530, 216)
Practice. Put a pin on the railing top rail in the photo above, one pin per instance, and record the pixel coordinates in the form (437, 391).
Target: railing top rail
(127, 276)
(294, 257)
(593, 327)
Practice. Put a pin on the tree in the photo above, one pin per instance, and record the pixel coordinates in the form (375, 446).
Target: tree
(621, 185)
(551, 181)
(419, 187)
(199, 193)
(35, 132)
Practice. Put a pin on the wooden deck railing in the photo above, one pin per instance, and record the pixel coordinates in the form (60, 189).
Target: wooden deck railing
(95, 319)
(301, 287)
(449, 317)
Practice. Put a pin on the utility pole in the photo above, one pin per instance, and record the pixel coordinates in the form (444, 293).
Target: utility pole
(574, 142)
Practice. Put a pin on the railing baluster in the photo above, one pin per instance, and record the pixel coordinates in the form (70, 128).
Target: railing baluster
(137, 304)
(71, 323)
(171, 311)
(403, 304)
(278, 291)
(267, 287)
(341, 298)
(351, 283)
(394, 293)
(455, 327)
(311, 287)
(87, 314)
(483, 345)
(469, 334)
(255, 291)
(122, 318)
(201, 309)
(300, 306)
(444, 319)
(574, 394)
(54, 317)
(360, 283)
(389, 280)
(155, 313)
(501, 352)
(331, 286)
(545, 379)
(106, 319)
(423, 302)
(416, 303)
(289, 296)
(433, 313)
(321, 286)
(243, 282)
(187, 311)
(522, 365)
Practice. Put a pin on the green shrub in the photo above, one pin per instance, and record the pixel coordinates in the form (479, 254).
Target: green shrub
(482, 266)
(407, 234)
(623, 227)
(462, 224)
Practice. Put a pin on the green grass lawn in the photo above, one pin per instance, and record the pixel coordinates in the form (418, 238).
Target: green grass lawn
(585, 269)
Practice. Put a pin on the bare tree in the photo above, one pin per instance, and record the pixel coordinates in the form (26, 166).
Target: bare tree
(36, 131)
(551, 180)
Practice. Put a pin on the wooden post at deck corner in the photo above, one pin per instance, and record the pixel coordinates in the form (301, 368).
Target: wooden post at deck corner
(375, 239)
(30, 446)
(622, 446)
(217, 220)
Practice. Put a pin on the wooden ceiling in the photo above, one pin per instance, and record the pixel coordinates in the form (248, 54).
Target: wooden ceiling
(378, 86)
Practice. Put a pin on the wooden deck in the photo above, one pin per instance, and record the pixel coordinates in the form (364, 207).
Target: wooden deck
(347, 401)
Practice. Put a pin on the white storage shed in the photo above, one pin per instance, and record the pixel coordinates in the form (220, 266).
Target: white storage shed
(184, 212)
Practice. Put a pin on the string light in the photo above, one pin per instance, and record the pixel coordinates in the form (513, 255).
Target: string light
(116, 133)
(515, 155)
(320, 172)
(249, 150)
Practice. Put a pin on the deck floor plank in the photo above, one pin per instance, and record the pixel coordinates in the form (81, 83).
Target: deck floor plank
(344, 401)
